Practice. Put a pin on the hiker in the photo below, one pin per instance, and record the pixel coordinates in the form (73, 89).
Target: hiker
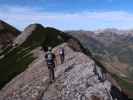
(62, 55)
(50, 59)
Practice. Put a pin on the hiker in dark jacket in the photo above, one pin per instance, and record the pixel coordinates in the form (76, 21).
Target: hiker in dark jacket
(50, 59)
(62, 55)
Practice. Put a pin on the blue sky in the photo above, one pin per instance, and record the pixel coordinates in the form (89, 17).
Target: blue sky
(69, 14)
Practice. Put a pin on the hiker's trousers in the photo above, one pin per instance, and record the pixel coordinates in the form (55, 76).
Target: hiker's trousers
(51, 72)
(62, 58)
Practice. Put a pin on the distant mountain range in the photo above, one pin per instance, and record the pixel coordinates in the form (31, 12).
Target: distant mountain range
(114, 50)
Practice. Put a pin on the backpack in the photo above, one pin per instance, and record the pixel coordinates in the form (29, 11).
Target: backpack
(49, 58)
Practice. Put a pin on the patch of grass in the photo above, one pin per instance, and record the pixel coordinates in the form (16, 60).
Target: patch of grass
(14, 62)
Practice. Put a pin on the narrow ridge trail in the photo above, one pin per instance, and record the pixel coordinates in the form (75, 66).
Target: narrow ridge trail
(75, 80)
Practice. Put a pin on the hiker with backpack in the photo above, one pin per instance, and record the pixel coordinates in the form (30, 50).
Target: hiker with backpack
(62, 55)
(50, 59)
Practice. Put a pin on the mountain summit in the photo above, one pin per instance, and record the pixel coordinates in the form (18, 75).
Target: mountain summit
(28, 31)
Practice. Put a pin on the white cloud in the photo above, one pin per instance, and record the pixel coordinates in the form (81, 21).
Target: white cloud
(21, 17)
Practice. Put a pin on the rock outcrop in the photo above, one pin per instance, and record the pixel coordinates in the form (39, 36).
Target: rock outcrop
(7, 34)
(78, 78)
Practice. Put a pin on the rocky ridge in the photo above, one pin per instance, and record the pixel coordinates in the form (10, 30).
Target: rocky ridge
(78, 78)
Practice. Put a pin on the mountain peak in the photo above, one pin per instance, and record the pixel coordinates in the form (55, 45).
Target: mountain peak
(28, 31)
(1, 22)
(7, 34)
(3, 25)
(33, 27)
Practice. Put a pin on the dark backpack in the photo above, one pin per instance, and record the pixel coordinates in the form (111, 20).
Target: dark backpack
(50, 58)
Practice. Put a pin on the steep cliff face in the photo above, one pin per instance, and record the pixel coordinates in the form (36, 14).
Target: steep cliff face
(78, 78)
(7, 34)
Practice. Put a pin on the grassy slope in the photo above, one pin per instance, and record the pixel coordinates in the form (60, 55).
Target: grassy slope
(13, 63)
